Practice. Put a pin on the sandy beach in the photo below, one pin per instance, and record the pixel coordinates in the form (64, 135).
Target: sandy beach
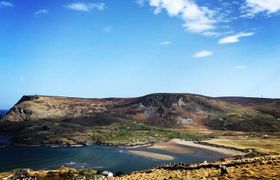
(173, 146)
(183, 147)
(216, 149)
(152, 155)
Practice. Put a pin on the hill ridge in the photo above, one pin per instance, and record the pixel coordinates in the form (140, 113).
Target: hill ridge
(51, 115)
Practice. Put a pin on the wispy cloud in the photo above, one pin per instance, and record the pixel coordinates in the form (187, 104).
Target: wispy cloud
(108, 29)
(140, 2)
(202, 54)
(85, 7)
(165, 43)
(4, 4)
(210, 33)
(41, 12)
(240, 67)
(196, 19)
(253, 7)
(234, 38)
(22, 79)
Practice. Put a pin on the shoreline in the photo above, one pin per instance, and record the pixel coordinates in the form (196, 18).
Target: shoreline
(168, 146)
(223, 150)
(182, 147)
(152, 155)
(199, 170)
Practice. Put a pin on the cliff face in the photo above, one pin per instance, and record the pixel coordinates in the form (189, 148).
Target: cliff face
(63, 120)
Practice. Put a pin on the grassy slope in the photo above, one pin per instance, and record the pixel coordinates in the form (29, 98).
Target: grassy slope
(255, 168)
(243, 117)
(130, 132)
(263, 145)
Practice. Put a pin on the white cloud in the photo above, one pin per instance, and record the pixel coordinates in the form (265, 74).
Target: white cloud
(4, 4)
(240, 67)
(234, 38)
(85, 7)
(41, 12)
(196, 19)
(257, 6)
(165, 43)
(202, 54)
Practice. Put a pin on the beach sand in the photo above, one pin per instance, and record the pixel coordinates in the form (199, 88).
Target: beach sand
(152, 155)
(227, 151)
(181, 146)
(173, 146)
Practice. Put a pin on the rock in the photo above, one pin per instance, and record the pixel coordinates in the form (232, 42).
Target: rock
(80, 177)
(223, 170)
(107, 173)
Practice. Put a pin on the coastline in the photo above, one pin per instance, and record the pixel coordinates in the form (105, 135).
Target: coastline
(178, 146)
(174, 145)
(224, 150)
(147, 154)
(181, 147)
(263, 166)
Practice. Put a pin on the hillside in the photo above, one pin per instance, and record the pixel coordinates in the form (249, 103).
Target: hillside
(51, 120)
(265, 167)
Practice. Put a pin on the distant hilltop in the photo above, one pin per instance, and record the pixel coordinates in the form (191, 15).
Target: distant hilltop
(162, 109)
(66, 120)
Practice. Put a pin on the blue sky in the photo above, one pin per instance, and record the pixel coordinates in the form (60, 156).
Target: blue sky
(125, 48)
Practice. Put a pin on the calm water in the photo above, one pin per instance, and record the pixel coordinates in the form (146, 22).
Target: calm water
(96, 157)
(3, 112)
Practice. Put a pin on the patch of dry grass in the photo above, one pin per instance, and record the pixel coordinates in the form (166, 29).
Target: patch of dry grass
(261, 169)
(263, 145)
(5, 174)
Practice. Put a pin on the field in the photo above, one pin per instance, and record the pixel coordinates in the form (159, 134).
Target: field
(261, 144)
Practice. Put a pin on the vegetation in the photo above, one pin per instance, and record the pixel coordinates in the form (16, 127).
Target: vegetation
(265, 167)
(263, 145)
(130, 132)
(61, 173)
(242, 119)
(254, 168)
(87, 173)
(63, 121)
